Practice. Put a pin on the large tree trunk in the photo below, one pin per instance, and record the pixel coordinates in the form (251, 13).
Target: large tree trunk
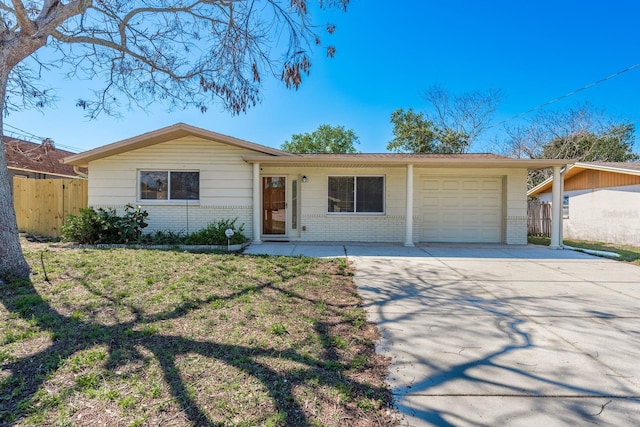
(12, 262)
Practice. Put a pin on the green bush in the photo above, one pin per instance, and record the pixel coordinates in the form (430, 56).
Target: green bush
(214, 234)
(105, 226)
(83, 228)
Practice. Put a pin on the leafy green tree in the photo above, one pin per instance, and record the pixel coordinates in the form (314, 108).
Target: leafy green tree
(581, 132)
(325, 139)
(414, 133)
(615, 144)
(136, 53)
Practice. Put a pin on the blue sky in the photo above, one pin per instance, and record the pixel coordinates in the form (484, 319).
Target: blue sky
(388, 52)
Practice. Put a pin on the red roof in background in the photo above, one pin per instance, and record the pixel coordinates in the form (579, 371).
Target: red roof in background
(37, 157)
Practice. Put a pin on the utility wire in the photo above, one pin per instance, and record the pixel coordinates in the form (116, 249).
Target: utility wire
(566, 95)
(23, 134)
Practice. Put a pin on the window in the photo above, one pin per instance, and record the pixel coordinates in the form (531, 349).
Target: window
(356, 194)
(169, 185)
(565, 207)
(294, 204)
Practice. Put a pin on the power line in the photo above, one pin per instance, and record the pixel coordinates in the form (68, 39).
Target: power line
(566, 95)
(23, 134)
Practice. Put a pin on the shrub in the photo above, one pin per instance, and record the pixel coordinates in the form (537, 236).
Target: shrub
(83, 228)
(214, 234)
(105, 226)
(163, 238)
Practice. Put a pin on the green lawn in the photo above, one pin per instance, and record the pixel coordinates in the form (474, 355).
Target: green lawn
(141, 337)
(627, 253)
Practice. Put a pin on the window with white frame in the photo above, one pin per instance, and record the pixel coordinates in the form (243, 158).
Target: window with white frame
(356, 194)
(169, 185)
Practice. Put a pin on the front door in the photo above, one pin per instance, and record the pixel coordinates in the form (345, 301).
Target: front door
(274, 205)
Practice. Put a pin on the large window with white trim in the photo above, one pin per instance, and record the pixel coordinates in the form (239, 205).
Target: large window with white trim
(169, 185)
(356, 194)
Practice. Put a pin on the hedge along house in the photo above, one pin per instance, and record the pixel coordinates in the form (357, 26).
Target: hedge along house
(186, 177)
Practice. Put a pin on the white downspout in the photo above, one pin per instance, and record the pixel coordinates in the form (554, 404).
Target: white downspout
(80, 173)
(256, 204)
(408, 231)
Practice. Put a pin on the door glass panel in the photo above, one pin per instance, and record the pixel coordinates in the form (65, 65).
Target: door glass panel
(294, 204)
(274, 213)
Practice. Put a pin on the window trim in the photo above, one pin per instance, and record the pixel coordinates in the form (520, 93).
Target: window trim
(355, 194)
(166, 201)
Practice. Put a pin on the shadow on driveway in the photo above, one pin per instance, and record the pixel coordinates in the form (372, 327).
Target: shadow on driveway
(495, 335)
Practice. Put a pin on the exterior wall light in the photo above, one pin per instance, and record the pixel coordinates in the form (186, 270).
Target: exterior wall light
(304, 178)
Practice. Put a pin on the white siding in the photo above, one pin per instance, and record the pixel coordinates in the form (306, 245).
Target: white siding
(225, 183)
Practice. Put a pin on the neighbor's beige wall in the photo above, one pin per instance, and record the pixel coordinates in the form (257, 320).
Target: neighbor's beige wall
(225, 183)
(610, 215)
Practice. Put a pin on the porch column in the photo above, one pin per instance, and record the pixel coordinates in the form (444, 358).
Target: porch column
(408, 231)
(256, 203)
(556, 209)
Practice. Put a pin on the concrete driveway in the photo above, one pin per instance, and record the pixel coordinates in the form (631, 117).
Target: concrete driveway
(495, 335)
(507, 336)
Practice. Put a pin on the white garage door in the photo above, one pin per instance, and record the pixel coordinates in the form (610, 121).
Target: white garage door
(461, 210)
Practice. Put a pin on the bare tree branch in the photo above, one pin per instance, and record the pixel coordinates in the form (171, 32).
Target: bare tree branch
(467, 115)
(183, 53)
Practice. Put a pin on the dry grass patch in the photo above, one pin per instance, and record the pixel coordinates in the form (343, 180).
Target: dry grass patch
(143, 337)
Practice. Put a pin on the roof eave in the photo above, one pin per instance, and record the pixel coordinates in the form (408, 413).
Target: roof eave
(42, 172)
(531, 164)
(158, 136)
(607, 168)
(575, 169)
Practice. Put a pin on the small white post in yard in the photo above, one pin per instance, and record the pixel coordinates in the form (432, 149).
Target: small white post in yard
(229, 233)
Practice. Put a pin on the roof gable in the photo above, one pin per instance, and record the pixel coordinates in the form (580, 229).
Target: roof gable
(166, 134)
(594, 175)
(29, 156)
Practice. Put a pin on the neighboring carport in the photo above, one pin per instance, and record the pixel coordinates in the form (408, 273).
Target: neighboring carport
(495, 335)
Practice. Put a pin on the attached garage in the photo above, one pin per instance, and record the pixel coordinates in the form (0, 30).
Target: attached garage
(365, 197)
(455, 209)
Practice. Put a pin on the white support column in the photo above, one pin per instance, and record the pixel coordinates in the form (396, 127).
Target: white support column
(556, 209)
(256, 204)
(408, 232)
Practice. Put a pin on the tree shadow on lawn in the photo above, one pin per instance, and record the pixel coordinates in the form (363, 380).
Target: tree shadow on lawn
(130, 342)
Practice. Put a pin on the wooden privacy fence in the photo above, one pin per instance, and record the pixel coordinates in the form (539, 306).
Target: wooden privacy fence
(539, 219)
(42, 205)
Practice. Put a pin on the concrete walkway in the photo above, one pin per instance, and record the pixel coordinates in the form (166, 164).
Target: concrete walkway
(494, 335)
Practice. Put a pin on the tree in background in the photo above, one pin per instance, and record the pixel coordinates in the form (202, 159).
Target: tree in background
(582, 132)
(465, 116)
(451, 124)
(413, 133)
(182, 53)
(614, 144)
(325, 139)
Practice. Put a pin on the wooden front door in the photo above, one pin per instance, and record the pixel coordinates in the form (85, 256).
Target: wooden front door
(274, 205)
